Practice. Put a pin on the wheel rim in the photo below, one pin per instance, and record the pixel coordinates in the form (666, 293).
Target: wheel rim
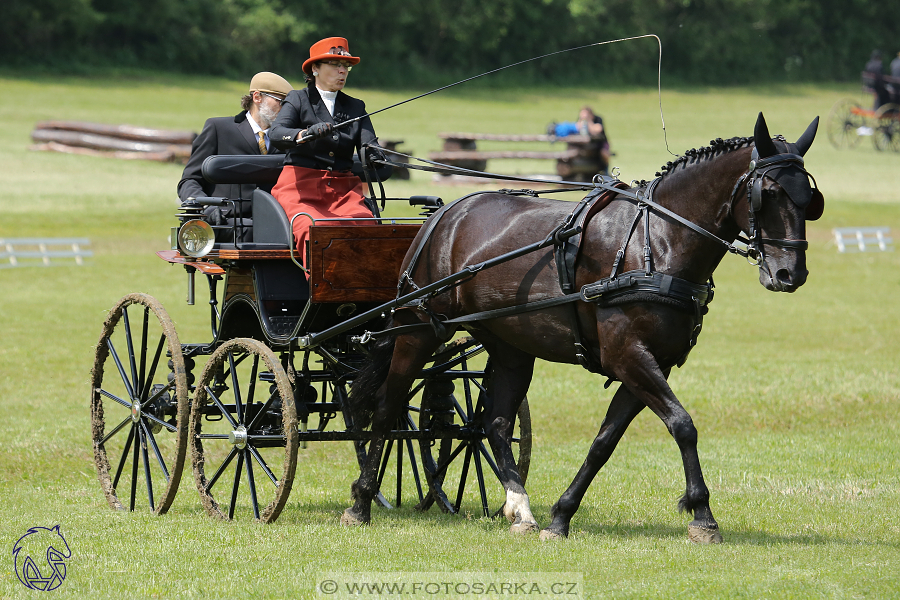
(244, 433)
(139, 406)
(887, 128)
(844, 122)
(460, 470)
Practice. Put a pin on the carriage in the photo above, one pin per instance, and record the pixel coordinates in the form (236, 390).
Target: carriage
(617, 282)
(849, 121)
(282, 353)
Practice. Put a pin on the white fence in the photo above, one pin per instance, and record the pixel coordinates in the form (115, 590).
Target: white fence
(43, 252)
(863, 239)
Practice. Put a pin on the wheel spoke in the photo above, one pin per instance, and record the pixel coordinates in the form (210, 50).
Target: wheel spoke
(236, 388)
(490, 461)
(251, 483)
(227, 414)
(125, 380)
(115, 431)
(159, 421)
(443, 466)
(479, 474)
(131, 361)
(221, 469)
(262, 463)
(146, 460)
(142, 382)
(262, 411)
(152, 373)
(462, 478)
(103, 392)
(251, 390)
(237, 483)
(134, 467)
(415, 469)
(384, 462)
(162, 464)
(124, 456)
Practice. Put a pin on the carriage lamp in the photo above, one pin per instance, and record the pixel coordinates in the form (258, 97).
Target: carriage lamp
(196, 238)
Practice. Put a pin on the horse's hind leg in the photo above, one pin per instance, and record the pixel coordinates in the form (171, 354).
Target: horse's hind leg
(511, 372)
(623, 408)
(411, 353)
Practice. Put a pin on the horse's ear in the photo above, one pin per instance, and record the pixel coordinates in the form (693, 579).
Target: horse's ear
(764, 144)
(808, 136)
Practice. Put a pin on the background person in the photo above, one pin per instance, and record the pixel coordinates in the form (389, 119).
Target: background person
(317, 177)
(592, 125)
(235, 135)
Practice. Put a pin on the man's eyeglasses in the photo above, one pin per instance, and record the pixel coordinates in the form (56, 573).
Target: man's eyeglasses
(339, 64)
(272, 96)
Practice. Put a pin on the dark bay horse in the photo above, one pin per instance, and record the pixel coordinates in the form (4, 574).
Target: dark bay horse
(704, 201)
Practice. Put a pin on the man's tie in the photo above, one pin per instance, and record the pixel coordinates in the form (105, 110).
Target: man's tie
(262, 143)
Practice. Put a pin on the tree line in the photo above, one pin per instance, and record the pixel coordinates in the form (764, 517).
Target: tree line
(432, 42)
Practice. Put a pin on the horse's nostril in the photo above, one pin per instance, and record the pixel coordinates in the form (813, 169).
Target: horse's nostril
(783, 275)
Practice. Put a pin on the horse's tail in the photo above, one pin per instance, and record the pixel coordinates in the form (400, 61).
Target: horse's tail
(364, 390)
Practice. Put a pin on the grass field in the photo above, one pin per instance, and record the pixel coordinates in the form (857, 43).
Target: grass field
(795, 396)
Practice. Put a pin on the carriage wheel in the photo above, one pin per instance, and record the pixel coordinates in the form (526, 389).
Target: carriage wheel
(139, 406)
(454, 406)
(244, 433)
(846, 123)
(887, 128)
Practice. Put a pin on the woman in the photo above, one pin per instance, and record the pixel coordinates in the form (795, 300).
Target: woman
(316, 178)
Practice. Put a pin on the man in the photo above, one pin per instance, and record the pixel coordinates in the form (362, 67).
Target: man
(236, 135)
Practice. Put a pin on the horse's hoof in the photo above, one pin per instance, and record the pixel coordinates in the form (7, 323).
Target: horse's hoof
(524, 528)
(704, 535)
(547, 535)
(348, 519)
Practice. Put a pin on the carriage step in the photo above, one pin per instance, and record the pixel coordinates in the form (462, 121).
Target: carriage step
(283, 325)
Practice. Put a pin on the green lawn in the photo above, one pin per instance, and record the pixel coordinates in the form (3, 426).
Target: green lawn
(795, 396)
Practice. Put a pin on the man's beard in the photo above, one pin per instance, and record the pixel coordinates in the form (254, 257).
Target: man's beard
(267, 115)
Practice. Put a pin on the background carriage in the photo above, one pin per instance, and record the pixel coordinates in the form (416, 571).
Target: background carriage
(850, 121)
(282, 353)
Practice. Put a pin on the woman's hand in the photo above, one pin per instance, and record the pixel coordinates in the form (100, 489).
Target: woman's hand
(314, 132)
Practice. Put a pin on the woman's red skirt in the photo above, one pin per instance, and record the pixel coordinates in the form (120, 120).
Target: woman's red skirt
(320, 194)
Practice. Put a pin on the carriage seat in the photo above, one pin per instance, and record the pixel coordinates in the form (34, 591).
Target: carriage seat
(264, 222)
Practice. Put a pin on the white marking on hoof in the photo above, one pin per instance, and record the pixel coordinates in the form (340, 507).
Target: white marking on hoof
(348, 520)
(704, 535)
(517, 508)
(524, 528)
(547, 536)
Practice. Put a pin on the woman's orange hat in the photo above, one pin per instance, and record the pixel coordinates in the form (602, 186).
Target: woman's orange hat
(333, 48)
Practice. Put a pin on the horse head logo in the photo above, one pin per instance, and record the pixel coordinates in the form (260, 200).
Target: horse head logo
(40, 557)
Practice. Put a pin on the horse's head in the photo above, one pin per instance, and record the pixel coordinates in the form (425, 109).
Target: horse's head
(780, 201)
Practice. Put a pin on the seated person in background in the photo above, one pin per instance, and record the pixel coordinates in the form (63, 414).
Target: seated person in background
(245, 133)
(592, 125)
(317, 177)
(875, 71)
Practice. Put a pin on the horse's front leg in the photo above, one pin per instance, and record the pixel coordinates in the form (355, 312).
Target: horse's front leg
(623, 408)
(511, 375)
(648, 383)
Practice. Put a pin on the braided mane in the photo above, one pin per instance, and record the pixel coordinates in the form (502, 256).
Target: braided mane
(716, 147)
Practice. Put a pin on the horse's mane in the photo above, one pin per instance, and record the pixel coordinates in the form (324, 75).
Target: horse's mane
(716, 147)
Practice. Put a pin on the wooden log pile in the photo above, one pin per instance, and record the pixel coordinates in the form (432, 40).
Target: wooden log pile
(115, 141)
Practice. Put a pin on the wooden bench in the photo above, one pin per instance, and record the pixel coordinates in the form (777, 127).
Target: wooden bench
(579, 159)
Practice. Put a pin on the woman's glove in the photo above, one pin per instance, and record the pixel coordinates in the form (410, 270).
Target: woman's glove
(374, 152)
(319, 130)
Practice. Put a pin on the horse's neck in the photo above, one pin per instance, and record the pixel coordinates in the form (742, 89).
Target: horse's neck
(701, 191)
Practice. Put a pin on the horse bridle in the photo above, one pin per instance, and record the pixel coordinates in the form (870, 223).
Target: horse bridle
(754, 178)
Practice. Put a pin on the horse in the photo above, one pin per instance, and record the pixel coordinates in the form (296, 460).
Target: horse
(692, 213)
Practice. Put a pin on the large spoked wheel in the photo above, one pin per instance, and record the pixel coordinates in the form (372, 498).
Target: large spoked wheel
(887, 128)
(139, 406)
(244, 433)
(457, 462)
(846, 124)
